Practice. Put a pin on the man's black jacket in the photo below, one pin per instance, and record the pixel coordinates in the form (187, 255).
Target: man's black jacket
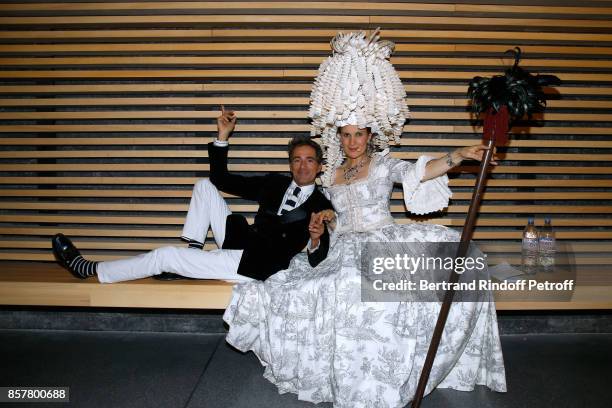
(272, 240)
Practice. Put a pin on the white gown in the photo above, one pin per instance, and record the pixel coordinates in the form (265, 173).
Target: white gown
(315, 337)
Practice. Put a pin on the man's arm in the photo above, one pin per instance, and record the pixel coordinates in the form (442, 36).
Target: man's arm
(242, 186)
(316, 255)
(245, 187)
(318, 245)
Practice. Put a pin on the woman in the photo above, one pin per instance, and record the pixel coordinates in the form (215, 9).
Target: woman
(309, 326)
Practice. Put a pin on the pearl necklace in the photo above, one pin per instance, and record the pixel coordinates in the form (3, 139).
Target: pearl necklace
(351, 172)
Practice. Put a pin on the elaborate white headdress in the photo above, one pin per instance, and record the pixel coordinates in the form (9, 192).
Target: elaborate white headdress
(357, 85)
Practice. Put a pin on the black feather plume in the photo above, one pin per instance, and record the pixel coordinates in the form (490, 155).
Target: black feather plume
(519, 90)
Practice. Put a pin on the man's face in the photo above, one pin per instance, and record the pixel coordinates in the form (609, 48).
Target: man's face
(304, 166)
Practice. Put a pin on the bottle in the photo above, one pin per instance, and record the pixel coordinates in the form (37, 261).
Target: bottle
(547, 246)
(529, 253)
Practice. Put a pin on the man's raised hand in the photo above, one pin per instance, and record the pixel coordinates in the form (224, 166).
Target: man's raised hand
(225, 123)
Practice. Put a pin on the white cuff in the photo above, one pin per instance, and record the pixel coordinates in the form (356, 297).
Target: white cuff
(309, 247)
(220, 143)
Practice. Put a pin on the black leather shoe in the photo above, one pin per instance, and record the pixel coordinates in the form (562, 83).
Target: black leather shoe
(169, 276)
(65, 252)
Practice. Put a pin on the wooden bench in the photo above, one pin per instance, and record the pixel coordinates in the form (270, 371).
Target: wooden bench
(105, 110)
(47, 284)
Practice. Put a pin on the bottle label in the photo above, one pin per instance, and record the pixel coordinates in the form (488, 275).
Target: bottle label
(547, 243)
(530, 244)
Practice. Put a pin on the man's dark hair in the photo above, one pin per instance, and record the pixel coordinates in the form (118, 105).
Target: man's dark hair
(305, 141)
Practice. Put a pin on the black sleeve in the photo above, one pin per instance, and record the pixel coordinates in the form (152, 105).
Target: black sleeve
(321, 253)
(242, 186)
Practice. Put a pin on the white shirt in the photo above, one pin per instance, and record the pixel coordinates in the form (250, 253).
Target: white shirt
(305, 192)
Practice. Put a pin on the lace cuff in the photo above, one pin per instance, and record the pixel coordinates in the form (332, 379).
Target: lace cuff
(427, 196)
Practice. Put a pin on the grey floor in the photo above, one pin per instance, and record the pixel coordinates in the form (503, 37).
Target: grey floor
(124, 369)
(165, 370)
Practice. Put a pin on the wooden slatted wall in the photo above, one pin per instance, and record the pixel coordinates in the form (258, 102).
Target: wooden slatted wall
(106, 108)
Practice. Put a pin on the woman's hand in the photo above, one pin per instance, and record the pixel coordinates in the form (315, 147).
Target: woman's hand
(438, 167)
(327, 215)
(225, 123)
(475, 152)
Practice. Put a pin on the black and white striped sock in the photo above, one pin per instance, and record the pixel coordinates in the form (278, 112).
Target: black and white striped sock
(195, 244)
(83, 267)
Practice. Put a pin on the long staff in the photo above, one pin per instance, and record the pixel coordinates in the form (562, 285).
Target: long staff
(502, 98)
(495, 133)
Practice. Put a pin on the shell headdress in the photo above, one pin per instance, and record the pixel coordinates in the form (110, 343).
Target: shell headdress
(357, 85)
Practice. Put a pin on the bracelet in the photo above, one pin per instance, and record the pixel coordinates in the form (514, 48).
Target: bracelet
(449, 160)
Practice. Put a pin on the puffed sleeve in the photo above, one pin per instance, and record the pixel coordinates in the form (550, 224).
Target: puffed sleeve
(420, 197)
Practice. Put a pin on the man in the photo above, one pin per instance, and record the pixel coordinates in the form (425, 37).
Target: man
(283, 225)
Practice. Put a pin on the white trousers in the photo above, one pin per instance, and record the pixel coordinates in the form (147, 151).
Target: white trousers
(206, 209)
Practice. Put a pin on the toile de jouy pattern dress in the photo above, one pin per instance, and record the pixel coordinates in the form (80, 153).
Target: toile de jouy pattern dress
(315, 337)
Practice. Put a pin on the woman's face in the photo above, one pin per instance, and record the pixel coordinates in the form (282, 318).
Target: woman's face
(354, 141)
